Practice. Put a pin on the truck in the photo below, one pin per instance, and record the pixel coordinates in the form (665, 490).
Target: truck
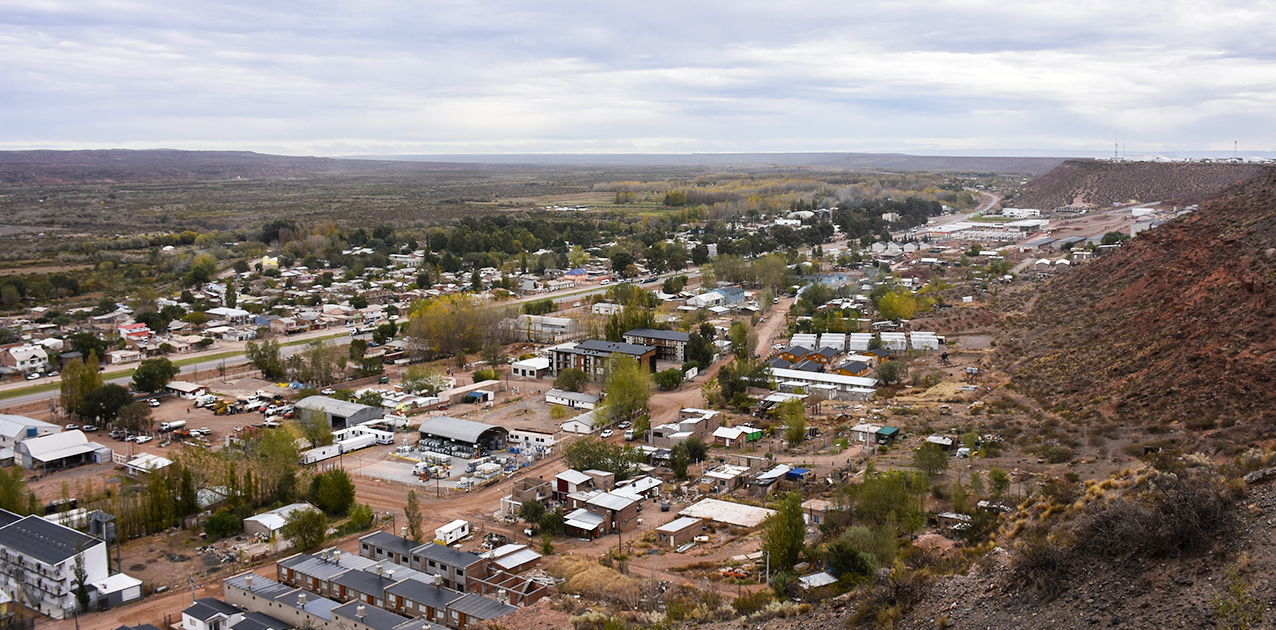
(165, 427)
(452, 532)
(205, 400)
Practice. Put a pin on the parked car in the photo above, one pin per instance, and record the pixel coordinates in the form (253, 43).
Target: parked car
(327, 391)
(625, 425)
(53, 373)
(70, 427)
(154, 402)
(32, 376)
(664, 505)
(88, 428)
(142, 439)
(606, 433)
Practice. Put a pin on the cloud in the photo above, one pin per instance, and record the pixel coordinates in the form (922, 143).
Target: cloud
(553, 76)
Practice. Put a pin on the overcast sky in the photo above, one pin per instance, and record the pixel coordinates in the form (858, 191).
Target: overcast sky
(545, 76)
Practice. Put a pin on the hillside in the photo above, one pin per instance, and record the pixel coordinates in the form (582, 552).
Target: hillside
(1104, 183)
(1174, 327)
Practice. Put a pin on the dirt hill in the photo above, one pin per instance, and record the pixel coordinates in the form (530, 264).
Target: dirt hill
(1104, 183)
(1175, 326)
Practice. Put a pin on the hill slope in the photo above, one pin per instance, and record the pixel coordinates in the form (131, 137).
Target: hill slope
(1105, 183)
(1176, 326)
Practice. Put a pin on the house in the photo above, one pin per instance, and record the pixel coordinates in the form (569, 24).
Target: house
(570, 482)
(852, 368)
(535, 367)
(186, 390)
(362, 616)
(475, 611)
(581, 425)
(574, 400)
(210, 613)
(816, 510)
(420, 599)
(952, 523)
(793, 354)
(865, 433)
(605, 308)
(315, 572)
(731, 437)
(385, 546)
(593, 356)
(670, 345)
(512, 558)
(678, 532)
(531, 437)
(269, 523)
(458, 570)
(26, 359)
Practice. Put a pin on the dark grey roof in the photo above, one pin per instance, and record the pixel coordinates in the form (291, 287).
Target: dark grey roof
(779, 362)
(827, 352)
(481, 607)
(807, 365)
(431, 595)
(853, 366)
(600, 347)
(8, 518)
(667, 335)
(206, 608)
(261, 621)
(45, 541)
(797, 351)
(143, 626)
(364, 582)
(446, 555)
(373, 617)
(390, 542)
(458, 429)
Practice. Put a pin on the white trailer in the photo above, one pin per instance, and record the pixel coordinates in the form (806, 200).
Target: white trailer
(452, 532)
(319, 454)
(357, 442)
(172, 426)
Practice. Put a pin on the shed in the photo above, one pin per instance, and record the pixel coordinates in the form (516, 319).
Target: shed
(268, 523)
(579, 400)
(185, 389)
(464, 432)
(340, 413)
(60, 450)
(118, 589)
(678, 531)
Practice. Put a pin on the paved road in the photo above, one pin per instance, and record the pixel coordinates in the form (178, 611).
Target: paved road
(223, 347)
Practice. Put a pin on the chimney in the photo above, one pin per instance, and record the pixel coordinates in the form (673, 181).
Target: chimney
(378, 568)
(301, 600)
(361, 612)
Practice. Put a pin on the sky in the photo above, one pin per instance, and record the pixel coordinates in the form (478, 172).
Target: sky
(381, 77)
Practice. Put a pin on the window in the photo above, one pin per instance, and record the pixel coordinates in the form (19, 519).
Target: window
(460, 573)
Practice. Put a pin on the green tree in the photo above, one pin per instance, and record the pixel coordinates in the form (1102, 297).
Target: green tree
(332, 491)
(315, 427)
(412, 511)
(373, 398)
(889, 372)
(891, 499)
(793, 414)
(306, 528)
(152, 375)
(359, 302)
(742, 340)
(668, 379)
(265, 357)
(81, 578)
(135, 417)
(930, 459)
(591, 453)
(697, 449)
(223, 524)
(361, 517)
(72, 395)
(999, 482)
(13, 491)
(628, 389)
(531, 511)
(784, 533)
(571, 379)
(421, 379)
(700, 349)
(104, 403)
(678, 460)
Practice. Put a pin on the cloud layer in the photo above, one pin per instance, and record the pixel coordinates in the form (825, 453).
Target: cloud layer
(379, 77)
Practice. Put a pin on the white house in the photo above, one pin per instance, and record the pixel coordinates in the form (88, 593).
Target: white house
(575, 400)
(210, 613)
(40, 560)
(29, 359)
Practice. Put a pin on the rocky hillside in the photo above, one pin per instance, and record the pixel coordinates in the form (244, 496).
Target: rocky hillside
(1177, 326)
(1103, 183)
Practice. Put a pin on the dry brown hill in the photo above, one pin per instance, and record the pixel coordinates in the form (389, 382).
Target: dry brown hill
(1178, 325)
(1104, 183)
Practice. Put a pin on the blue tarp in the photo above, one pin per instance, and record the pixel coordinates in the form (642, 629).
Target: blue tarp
(797, 473)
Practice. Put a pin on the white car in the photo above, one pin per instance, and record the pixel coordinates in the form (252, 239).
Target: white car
(153, 402)
(327, 391)
(606, 433)
(142, 439)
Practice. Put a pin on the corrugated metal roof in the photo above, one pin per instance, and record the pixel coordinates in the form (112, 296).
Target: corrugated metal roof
(518, 558)
(480, 607)
(678, 524)
(332, 406)
(457, 429)
(373, 617)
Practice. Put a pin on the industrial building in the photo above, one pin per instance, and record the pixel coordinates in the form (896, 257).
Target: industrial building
(464, 432)
(340, 413)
